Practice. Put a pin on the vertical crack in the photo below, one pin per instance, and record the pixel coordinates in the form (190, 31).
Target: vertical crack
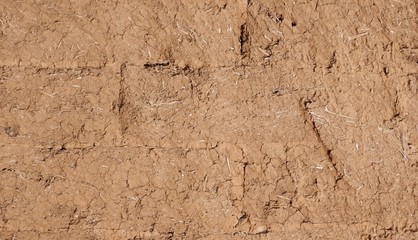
(332, 61)
(244, 33)
(121, 98)
(244, 40)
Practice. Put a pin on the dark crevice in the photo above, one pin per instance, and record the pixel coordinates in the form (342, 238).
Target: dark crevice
(121, 98)
(121, 101)
(332, 61)
(386, 70)
(309, 120)
(79, 71)
(244, 40)
(156, 65)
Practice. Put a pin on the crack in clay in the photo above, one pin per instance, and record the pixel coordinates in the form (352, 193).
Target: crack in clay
(136, 149)
(79, 71)
(303, 104)
(244, 40)
(121, 96)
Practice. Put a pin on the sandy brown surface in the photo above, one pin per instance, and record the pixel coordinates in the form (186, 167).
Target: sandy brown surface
(208, 119)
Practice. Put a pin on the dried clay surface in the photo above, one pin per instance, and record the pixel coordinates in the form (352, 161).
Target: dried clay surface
(208, 119)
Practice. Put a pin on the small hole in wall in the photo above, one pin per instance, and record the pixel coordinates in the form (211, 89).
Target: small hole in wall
(386, 70)
(294, 23)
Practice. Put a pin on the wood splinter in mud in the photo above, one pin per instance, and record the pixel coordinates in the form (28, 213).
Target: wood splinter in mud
(49, 94)
(229, 165)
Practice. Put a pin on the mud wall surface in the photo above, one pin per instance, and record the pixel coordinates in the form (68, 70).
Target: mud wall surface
(208, 119)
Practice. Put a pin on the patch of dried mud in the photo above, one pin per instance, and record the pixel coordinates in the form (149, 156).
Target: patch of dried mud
(208, 119)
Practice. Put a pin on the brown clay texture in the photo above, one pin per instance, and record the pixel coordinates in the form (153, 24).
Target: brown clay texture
(208, 119)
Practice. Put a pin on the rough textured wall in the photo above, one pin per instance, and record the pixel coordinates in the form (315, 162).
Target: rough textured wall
(208, 119)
